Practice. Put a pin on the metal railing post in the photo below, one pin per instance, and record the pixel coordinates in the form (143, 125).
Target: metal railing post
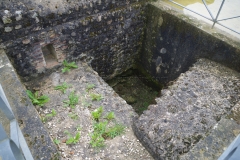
(215, 20)
(13, 146)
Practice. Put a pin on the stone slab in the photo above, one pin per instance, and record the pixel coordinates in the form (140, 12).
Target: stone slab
(36, 135)
(123, 147)
(188, 109)
(213, 145)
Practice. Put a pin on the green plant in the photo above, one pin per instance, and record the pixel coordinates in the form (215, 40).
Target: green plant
(73, 116)
(62, 87)
(86, 104)
(52, 114)
(72, 139)
(36, 99)
(110, 116)
(96, 114)
(115, 130)
(78, 128)
(68, 66)
(90, 86)
(73, 100)
(43, 119)
(101, 131)
(97, 140)
(56, 141)
(95, 97)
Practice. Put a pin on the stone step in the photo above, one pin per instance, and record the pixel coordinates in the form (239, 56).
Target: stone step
(188, 110)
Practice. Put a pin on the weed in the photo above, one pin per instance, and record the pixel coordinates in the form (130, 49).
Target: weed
(79, 128)
(95, 97)
(73, 116)
(96, 114)
(36, 99)
(43, 119)
(90, 86)
(97, 140)
(100, 127)
(72, 139)
(73, 100)
(110, 116)
(115, 131)
(101, 131)
(62, 87)
(86, 104)
(52, 114)
(56, 141)
(68, 66)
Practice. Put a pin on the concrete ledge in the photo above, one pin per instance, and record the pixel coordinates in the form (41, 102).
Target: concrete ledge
(188, 110)
(36, 135)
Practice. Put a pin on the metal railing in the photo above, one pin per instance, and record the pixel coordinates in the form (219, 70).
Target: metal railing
(213, 19)
(12, 145)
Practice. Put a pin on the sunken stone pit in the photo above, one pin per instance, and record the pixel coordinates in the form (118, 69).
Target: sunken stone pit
(196, 67)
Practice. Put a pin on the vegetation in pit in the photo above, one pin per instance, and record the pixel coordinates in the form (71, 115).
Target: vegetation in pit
(96, 114)
(52, 114)
(72, 100)
(102, 130)
(86, 103)
(56, 141)
(72, 139)
(96, 97)
(139, 91)
(36, 99)
(68, 66)
(73, 116)
(110, 116)
(89, 87)
(62, 87)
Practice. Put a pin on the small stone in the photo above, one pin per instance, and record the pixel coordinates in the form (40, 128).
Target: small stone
(163, 51)
(18, 17)
(73, 34)
(18, 26)
(6, 20)
(8, 29)
(26, 41)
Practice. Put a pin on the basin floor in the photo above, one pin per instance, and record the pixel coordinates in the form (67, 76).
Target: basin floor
(79, 119)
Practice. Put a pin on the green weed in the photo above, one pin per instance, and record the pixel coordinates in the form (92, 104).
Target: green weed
(36, 99)
(73, 100)
(89, 87)
(62, 87)
(110, 116)
(101, 131)
(115, 131)
(95, 97)
(86, 104)
(52, 114)
(97, 140)
(96, 114)
(56, 141)
(68, 66)
(72, 139)
(73, 116)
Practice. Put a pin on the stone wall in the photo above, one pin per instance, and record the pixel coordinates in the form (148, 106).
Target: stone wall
(173, 42)
(38, 36)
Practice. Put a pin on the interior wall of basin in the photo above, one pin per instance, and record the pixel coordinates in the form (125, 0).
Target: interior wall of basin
(109, 40)
(173, 42)
(136, 89)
